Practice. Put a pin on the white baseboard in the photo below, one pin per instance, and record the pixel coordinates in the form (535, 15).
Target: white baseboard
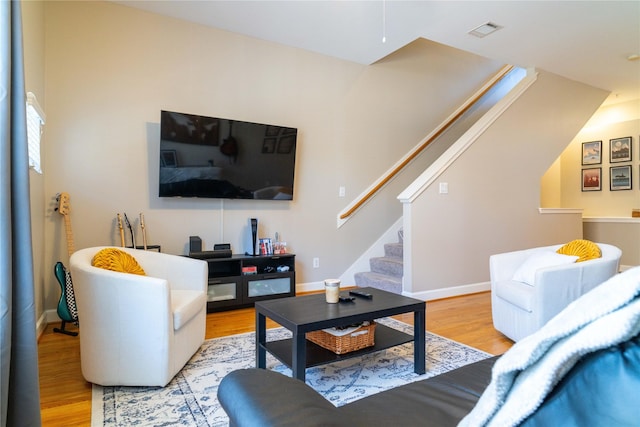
(423, 295)
(453, 291)
(309, 287)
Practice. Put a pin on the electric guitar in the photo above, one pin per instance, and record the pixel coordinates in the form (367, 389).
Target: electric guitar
(67, 310)
(144, 233)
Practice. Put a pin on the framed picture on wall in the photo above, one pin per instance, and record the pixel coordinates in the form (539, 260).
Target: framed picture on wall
(620, 150)
(620, 177)
(591, 179)
(592, 153)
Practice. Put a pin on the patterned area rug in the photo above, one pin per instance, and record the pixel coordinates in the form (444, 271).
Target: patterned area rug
(190, 398)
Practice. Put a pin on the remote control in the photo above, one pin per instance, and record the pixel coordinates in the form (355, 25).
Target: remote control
(361, 294)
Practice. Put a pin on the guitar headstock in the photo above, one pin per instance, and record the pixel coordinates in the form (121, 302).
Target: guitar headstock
(126, 220)
(119, 221)
(64, 205)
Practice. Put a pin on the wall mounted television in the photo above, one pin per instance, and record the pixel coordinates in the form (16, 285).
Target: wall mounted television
(212, 157)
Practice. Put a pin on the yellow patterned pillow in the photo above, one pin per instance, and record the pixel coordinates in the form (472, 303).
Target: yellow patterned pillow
(584, 249)
(116, 260)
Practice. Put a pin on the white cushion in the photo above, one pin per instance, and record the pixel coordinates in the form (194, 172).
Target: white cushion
(526, 273)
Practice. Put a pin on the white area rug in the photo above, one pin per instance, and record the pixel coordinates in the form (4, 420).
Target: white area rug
(190, 398)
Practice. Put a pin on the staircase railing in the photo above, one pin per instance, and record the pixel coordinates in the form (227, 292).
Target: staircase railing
(415, 152)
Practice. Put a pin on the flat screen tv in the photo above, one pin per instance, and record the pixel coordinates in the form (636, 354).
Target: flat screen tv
(221, 158)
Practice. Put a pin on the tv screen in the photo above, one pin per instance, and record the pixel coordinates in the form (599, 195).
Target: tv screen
(221, 158)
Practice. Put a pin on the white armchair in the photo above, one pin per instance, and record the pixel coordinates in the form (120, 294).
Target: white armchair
(519, 308)
(139, 330)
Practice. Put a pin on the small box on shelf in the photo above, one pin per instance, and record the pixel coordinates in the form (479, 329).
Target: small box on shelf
(249, 269)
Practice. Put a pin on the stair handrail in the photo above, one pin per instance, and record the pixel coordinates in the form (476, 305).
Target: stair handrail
(427, 141)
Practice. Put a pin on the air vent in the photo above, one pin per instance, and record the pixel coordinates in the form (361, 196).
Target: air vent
(485, 29)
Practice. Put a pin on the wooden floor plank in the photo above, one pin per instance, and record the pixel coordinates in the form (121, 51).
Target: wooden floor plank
(65, 397)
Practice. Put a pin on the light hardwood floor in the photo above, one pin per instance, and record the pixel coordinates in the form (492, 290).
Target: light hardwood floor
(65, 397)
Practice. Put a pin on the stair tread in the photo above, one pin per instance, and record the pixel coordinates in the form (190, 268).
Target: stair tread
(380, 276)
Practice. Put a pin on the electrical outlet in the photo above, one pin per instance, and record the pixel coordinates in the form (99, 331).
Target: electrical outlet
(316, 263)
(342, 191)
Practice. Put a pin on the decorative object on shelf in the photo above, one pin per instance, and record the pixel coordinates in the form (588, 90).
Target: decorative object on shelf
(620, 150)
(591, 179)
(266, 246)
(635, 213)
(332, 290)
(620, 177)
(592, 153)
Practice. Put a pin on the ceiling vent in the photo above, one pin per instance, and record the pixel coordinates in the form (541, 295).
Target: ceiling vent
(485, 29)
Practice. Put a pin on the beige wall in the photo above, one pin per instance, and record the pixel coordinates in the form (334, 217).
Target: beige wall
(494, 190)
(111, 69)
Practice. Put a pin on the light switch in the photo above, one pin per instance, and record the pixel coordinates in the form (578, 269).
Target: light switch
(444, 188)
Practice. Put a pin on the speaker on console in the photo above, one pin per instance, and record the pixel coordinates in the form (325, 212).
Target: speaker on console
(195, 244)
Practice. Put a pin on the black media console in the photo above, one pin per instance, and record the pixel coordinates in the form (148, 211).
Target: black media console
(241, 280)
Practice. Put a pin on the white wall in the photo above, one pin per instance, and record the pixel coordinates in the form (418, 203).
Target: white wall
(110, 69)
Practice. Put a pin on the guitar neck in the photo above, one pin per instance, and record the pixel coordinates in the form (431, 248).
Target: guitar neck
(69, 235)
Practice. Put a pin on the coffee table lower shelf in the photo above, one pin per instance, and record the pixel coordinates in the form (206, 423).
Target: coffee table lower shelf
(385, 337)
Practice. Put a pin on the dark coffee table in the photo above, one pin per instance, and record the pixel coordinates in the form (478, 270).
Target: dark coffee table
(311, 312)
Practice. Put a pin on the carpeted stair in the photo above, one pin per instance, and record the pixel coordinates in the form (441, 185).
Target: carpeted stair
(386, 272)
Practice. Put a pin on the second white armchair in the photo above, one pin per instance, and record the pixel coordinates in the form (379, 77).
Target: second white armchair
(519, 309)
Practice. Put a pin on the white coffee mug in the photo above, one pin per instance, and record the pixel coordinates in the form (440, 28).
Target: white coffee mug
(332, 290)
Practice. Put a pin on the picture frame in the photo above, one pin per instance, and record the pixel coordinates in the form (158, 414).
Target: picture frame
(269, 145)
(285, 145)
(592, 179)
(620, 150)
(620, 177)
(168, 158)
(592, 153)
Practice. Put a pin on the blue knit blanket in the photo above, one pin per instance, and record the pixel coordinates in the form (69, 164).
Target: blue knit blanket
(524, 375)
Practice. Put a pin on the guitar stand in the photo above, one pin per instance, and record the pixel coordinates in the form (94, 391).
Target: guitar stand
(62, 330)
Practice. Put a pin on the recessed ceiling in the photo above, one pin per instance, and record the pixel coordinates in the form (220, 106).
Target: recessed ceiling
(586, 41)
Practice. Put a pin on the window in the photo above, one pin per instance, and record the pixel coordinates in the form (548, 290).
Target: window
(35, 120)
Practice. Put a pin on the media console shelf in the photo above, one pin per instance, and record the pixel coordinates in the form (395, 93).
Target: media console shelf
(231, 285)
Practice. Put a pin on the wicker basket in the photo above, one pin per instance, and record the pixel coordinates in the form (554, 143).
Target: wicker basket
(356, 340)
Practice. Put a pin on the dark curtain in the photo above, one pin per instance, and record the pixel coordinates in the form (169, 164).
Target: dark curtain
(20, 393)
